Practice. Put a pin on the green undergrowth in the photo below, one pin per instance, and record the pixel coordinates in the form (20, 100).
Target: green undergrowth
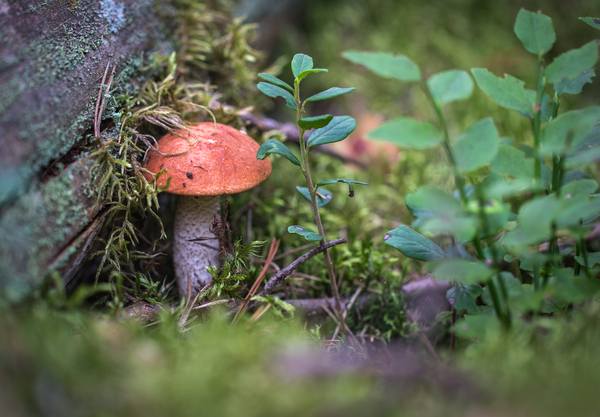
(69, 362)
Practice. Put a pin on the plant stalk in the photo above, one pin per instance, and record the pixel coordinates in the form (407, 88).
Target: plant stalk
(460, 185)
(537, 127)
(315, 209)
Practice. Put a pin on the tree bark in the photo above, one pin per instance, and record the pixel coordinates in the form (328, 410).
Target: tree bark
(52, 57)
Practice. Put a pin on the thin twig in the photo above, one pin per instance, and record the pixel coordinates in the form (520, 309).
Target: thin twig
(281, 276)
(97, 110)
(101, 97)
(213, 303)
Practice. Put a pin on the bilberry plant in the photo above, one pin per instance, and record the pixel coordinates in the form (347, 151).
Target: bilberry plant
(327, 129)
(542, 242)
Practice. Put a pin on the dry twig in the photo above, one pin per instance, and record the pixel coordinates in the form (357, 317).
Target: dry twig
(281, 276)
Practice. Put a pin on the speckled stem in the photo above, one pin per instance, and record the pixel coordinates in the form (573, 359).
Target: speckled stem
(193, 221)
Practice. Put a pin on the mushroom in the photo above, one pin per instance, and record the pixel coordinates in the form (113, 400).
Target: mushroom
(204, 165)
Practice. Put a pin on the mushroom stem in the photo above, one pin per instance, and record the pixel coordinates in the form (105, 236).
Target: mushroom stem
(191, 256)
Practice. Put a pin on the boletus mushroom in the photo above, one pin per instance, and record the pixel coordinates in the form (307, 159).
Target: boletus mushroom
(206, 164)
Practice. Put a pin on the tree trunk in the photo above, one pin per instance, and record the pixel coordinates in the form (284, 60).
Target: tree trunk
(52, 58)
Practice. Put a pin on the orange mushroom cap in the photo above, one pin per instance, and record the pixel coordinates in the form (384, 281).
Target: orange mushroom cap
(220, 163)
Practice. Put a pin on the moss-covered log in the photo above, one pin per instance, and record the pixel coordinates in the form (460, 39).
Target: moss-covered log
(52, 58)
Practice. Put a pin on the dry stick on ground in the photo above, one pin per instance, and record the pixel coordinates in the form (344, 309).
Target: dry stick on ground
(281, 276)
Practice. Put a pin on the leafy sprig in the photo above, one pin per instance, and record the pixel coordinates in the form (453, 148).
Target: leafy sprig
(327, 129)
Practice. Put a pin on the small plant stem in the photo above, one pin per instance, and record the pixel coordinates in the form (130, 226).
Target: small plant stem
(537, 127)
(460, 185)
(505, 317)
(537, 284)
(583, 251)
(458, 180)
(452, 332)
(497, 306)
(556, 159)
(315, 208)
(550, 264)
(577, 269)
(556, 183)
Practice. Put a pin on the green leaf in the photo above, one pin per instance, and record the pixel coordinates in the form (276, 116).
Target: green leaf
(301, 63)
(450, 86)
(575, 85)
(460, 270)
(275, 80)
(572, 63)
(535, 222)
(480, 327)
(436, 201)
(330, 93)
(509, 92)
(439, 212)
(579, 188)
(408, 133)
(303, 74)
(512, 161)
(477, 146)
(529, 300)
(274, 146)
(274, 92)
(535, 31)
(413, 244)
(495, 186)
(384, 64)
(278, 304)
(338, 129)
(568, 129)
(593, 258)
(511, 284)
(307, 233)
(586, 151)
(458, 251)
(462, 226)
(463, 297)
(496, 213)
(592, 21)
(315, 122)
(321, 201)
(575, 210)
(349, 182)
